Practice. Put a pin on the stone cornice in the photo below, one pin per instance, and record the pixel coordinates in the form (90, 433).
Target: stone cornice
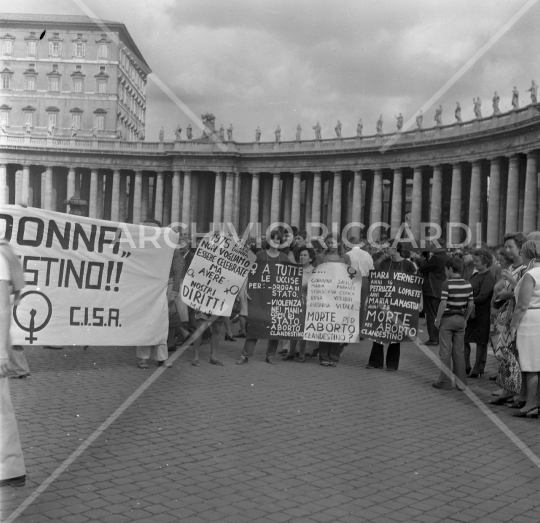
(478, 140)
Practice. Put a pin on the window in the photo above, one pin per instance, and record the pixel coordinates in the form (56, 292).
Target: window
(100, 122)
(28, 117)
(55, 48)
(6, 81)
(54, 84)
(4, 116)
(76, 120)
(7, 47)
(77, 85)
(31, 48)
(79, 49)
(102, 86)
(30, 83)
(103, 51)
(52, 119)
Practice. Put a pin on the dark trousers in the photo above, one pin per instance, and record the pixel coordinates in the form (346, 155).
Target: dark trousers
(431, 306)
(481, 358)
(376, 358)
(249, 347)
(329, 352)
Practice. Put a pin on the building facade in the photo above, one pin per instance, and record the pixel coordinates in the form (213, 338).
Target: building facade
(482, 173)
(83, 78)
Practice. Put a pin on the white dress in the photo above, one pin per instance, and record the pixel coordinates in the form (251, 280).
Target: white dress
(528, 332)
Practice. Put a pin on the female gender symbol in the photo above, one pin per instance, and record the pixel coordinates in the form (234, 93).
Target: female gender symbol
(32, 326)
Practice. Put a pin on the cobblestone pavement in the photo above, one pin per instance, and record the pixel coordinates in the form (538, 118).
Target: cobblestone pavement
(260, 443)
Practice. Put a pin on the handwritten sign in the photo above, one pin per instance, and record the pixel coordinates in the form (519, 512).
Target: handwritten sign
(333, 304)
(392, 307)
(218, 271)
(275, 310)
(88, 282)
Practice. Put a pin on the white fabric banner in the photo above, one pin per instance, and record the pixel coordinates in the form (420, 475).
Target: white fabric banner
(333, 304)
(218, 271)
(88, 282)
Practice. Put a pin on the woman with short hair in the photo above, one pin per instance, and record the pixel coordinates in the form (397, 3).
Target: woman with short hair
(478, 327)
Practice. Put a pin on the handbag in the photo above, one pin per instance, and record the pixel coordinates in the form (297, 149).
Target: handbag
(505, 313)
(509, 375)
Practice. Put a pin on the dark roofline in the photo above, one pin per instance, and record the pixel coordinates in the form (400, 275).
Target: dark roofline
(63, 21)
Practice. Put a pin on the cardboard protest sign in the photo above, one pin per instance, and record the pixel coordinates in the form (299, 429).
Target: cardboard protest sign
(218, 271)
(392, 306)
(88, 282)
(333, 304)
(275, 310)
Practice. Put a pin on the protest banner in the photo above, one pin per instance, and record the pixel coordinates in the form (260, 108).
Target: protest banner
(275, 310)
(88, 282)
(218, 271)
(392, 306)
(333, 304)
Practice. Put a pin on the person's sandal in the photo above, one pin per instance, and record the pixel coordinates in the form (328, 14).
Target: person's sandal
(143, 364)
(241, 360)
(216, 362)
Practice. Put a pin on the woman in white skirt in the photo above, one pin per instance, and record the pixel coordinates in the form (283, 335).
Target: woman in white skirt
(526, 325)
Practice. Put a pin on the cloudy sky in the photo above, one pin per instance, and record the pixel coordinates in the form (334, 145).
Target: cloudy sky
(268, 63)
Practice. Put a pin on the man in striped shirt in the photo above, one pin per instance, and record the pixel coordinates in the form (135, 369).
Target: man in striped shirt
(454, 310)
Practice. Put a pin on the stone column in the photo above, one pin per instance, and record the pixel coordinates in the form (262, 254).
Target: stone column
(336, 202)
(71, 183)
(100, 196)
(145, 198)
(158, 192)
(296, 194)
(123, 200)
(25, 186)
(254, 208)
(357, 197)
(377, 202)
(47, 201)
(137, 198)
(175, 206)
(167, 190)
(531, 194)
(92, 204)
(274, 207)
(186, 201)
(436, 196)
(397, 202)
(4, 192)
(474, 199)
(316, 205)
(115, 198)
(512, 194)
(228, 202)
(236, 199)
(218, 198)
(287, 198)
(455, 203)
(416, 207)
(494, 202)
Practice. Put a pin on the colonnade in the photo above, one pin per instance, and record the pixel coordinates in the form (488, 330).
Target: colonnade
(491, 196)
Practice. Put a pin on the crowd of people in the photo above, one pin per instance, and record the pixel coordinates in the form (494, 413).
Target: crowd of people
(475, 296)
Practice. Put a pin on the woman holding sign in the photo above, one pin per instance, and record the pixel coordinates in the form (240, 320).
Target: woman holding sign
(330, 352)
(269, 256)
(393, 262)
(306, 258)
